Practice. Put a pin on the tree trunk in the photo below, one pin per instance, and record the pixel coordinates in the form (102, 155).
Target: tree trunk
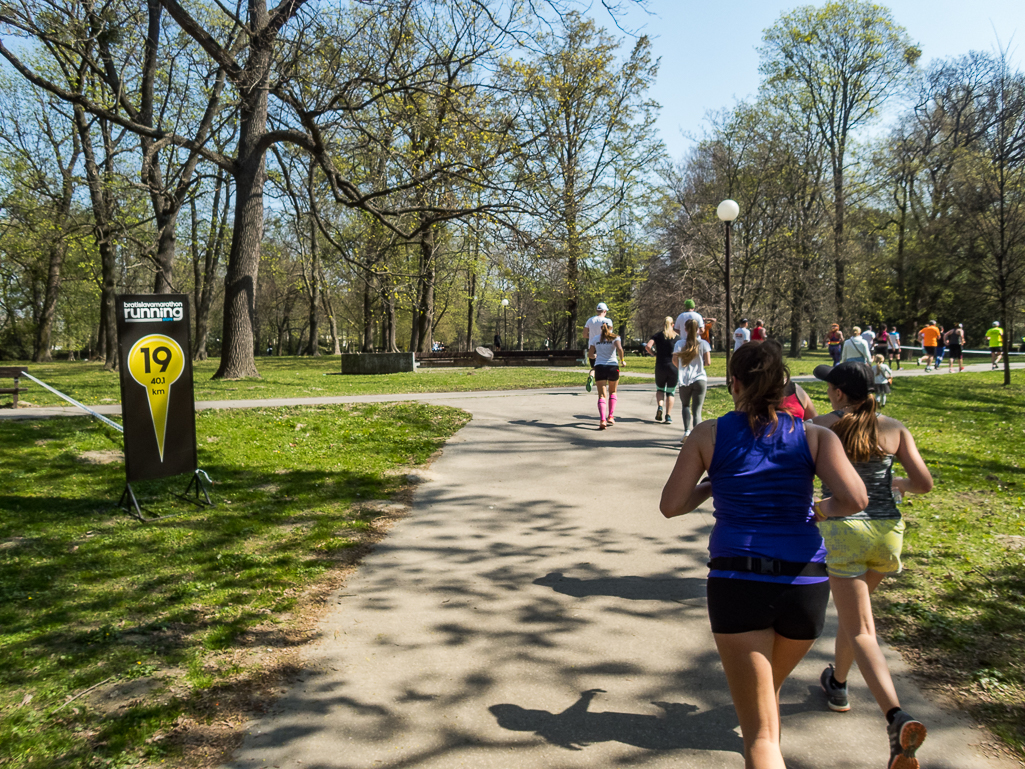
(108, 311)
(237, 350)
(572, 277)
(368, 314)
(839, 256)
(100, 191)
(471, 296)
(44, 328)
(425, 310)
(205, 269)
(332, 321)
(390, 340)
(167, 224)
(313, 348)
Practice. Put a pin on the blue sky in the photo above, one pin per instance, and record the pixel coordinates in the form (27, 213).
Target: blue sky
(710, 59)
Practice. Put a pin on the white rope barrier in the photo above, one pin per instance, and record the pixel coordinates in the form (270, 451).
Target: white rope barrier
(73, 402)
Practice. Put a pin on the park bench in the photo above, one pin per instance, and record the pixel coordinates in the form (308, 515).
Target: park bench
(501, 358)
(15, 373)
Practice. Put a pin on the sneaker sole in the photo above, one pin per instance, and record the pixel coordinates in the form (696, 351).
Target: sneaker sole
(912, 735)
(834, 708)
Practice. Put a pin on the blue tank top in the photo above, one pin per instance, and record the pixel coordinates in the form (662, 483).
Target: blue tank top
(762, 491)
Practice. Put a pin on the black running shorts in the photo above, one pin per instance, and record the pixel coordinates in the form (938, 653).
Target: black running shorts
(797, 612)
(606, 373)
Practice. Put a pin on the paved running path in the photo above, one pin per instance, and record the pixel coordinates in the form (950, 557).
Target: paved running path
(536, 610)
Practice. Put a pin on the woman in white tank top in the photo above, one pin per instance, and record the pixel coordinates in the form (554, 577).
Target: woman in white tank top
(607, 350)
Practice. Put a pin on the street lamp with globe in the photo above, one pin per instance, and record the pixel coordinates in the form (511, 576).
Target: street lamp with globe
(505, 321)
(727, 211)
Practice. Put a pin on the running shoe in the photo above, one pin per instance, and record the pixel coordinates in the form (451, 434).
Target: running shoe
(590, 382)
(906, 736)
(612, 421)
(658, 414)
(669, 419)
(603, 425)
(836, 696)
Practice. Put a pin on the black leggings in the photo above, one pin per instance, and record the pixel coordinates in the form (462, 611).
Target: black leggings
(665, 377)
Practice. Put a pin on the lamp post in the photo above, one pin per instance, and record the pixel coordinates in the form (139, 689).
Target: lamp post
(505, 321)
(727, 211)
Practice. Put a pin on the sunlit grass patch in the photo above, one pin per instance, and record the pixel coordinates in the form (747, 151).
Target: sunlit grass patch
(152, 626)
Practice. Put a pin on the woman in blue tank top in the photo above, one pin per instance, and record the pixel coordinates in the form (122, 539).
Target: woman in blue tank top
(767, 584)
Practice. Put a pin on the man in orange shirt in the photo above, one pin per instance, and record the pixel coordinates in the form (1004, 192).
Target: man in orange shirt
(930, 339)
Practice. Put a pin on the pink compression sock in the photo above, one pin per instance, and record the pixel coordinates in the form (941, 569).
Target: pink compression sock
(612, 405)
(603, 409)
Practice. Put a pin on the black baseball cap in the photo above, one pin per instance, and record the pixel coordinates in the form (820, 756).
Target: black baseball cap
(854, 379)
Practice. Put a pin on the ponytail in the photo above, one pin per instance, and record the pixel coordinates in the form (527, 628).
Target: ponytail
(760, 368)
(858, 431)
(692, 345)
(668, 330)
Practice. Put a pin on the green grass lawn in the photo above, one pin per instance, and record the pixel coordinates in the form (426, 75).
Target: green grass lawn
(295, 377)
(957, 610)
(172, 618)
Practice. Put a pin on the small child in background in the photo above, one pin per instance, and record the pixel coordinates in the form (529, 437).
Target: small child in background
(883, 379)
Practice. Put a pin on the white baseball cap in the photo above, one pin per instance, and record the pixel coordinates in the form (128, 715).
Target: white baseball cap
(996, 323)
(603, 306)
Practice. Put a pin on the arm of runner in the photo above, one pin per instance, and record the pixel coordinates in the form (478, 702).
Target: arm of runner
(682, 492)
(809, 408)
(919, 480)
(836, 471)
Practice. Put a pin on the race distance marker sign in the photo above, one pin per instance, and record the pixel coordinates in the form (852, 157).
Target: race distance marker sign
(157, 401)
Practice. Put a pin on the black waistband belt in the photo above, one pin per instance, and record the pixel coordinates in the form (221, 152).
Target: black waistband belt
(769, 566)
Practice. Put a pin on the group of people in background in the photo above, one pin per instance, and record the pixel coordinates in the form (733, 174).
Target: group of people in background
(937, 343)
(682, 350)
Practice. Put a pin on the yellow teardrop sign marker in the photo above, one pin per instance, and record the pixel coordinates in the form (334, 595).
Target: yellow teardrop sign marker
(156, 361)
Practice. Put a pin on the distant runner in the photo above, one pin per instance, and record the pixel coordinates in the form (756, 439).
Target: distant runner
(954, 340)
(608, 353)
(996, 343)
(689, 313)
(929, 337)
(592, 331)
(666, 372)
(741, 335)
(893, 345)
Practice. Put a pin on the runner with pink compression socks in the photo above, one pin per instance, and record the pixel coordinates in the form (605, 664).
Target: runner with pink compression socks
(607, 350)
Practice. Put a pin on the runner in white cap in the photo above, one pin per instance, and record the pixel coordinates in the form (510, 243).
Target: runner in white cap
(592, 332)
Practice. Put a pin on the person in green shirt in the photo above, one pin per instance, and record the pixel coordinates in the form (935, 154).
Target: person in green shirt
(996, 343)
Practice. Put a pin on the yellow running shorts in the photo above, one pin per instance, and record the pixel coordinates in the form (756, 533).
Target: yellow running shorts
(854, 547)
